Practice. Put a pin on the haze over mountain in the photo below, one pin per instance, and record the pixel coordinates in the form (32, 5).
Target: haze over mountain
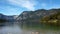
(8, 18)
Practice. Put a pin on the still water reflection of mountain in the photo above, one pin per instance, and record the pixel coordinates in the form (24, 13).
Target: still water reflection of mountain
(26, 29)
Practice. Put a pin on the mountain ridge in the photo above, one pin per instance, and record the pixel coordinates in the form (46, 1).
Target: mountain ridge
(36, 15)
(7, 18)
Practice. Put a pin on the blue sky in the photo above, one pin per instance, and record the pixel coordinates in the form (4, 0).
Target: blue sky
(16, 7)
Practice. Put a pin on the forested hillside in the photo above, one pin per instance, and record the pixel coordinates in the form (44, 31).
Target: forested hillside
(52, 19)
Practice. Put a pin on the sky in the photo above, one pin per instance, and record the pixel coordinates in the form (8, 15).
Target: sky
(16, 7)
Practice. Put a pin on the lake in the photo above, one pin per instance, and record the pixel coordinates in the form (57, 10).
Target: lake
(28, 29)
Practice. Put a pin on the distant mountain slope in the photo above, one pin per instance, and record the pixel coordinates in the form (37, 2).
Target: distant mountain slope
(8, 18)
(36, 15)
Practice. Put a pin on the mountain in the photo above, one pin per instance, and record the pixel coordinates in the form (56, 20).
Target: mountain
(35, 16)
(53, 19)
(7, 18)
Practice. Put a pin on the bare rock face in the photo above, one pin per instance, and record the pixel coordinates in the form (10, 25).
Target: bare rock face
(35, 15)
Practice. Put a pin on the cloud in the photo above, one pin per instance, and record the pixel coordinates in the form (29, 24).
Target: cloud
(29, 4)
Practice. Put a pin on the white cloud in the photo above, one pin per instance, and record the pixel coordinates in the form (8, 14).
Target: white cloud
(23, 3)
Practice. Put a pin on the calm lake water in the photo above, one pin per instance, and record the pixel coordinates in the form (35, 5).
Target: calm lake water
(28, 29)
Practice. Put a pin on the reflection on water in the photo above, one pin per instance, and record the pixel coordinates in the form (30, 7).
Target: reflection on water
(27, 29)
(10, 29)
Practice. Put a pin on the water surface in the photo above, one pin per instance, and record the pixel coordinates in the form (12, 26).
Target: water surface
(28, 29)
